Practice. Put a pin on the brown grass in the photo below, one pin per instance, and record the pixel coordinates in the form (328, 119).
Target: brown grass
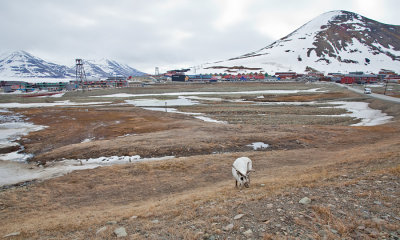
(81, 212)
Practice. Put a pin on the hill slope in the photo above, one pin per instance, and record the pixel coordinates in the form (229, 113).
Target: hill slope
(334, 41)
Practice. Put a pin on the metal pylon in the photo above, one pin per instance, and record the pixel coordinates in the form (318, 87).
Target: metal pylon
(80, 72)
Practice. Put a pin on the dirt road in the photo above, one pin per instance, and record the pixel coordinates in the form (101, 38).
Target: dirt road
(374, 95)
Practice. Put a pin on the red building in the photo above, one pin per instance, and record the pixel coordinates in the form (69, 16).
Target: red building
(359, 78)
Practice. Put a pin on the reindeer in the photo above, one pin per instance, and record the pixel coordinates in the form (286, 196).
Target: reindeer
(241, 169)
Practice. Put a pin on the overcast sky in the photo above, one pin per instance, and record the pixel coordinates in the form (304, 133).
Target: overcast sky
(164, 33)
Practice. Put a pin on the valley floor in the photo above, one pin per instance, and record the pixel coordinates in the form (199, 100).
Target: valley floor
(350, 174)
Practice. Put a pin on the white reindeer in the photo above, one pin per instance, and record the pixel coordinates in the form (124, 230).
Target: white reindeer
(241, 169)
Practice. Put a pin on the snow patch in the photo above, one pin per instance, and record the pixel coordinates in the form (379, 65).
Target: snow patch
(204, 98)
(258, 145)
(181, 101)
(56, 103)
(11, 132)
(361, 110)
(88, 140)
(207, 119)
(14, 172)
(174, 110)
(12, 128)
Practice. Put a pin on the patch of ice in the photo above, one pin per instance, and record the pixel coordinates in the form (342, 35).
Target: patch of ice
(12, 128)
(119, 95)
(258, 145)
(361, 110)
(205, 98)
(12, 131)
(88, 140)
(56, 103)
(14, 172)
(58, 95)
(286, 103)
(207, 119)
(181, 101)
(16, 156)
(126, 135)
(197, 115)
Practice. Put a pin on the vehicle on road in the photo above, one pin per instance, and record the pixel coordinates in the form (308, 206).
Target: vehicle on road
(367, 91)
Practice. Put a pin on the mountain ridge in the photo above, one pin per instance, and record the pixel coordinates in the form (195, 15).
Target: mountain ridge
(23, 65)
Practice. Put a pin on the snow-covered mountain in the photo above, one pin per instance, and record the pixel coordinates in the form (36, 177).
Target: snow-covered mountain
(21, 65)
(336, 41)
(108, 68)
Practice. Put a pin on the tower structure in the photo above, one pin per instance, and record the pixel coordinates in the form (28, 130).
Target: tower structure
(80, 72)
(157, 71)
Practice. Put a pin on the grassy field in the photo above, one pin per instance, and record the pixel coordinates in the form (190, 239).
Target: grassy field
(350, 174)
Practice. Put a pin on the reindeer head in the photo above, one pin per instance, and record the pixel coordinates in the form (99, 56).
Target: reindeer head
(243, 180)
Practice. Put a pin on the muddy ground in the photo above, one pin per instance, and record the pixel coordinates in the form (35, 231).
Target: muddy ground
(350, 174)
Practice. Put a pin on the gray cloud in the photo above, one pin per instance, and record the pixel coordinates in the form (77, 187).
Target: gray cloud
(164, 33)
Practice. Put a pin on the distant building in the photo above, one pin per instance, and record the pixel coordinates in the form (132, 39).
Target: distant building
(316, 74)
(286, 75)
(111, 82)
(387, 72)
(58, 86)
(389, 76)
(177, 75)
(392, 78)
(178, 78)
(200, 78)
(12, 86)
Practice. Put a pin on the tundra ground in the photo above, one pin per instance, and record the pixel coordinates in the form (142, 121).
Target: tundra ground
(350, 174)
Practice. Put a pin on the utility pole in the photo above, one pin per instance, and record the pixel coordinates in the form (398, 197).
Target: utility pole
(387, 80)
